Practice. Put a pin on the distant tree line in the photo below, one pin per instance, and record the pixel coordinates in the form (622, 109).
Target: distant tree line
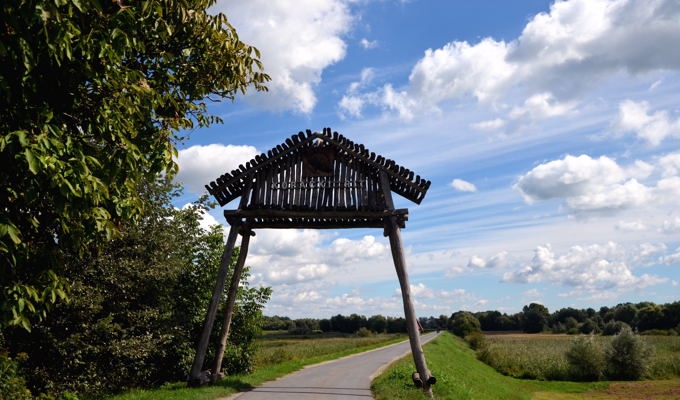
(643, 317)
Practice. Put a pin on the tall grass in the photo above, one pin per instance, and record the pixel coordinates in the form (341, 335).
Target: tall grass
(543, 357)
(274, 349)
(461, 376)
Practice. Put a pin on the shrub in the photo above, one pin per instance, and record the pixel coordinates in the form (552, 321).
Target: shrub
(12, 386)
(586, 359)
(476, 340)
(464, 323)
(364, 332)
(628, 358)
(614, 327)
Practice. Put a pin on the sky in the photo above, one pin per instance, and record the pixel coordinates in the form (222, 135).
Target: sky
(550, 132)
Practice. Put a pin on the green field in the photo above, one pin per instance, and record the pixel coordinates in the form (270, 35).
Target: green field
(459, 374)
(277, 355)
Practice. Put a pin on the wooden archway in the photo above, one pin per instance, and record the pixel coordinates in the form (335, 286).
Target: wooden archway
(319, 181)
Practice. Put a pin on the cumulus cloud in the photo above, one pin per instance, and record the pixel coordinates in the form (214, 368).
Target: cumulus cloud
(559, 55)
(200, 165)
(653, 127)
(569, 177)
(601, 185)
(310, 32)
(498, 261)
(587, 268)
(463, 186)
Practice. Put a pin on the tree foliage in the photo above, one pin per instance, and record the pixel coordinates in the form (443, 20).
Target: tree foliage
(137, 308)
(94, 95)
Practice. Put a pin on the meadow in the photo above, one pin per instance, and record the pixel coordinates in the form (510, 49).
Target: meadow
(543, 356)
(460, 375)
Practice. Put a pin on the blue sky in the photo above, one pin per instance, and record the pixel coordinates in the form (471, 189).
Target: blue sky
(550, 132)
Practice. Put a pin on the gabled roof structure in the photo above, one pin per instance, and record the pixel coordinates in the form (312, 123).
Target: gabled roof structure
(313, 180)
(317, 180)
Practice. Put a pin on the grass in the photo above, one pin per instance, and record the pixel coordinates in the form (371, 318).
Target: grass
(544, 356)
(461, 376)
(277, 355)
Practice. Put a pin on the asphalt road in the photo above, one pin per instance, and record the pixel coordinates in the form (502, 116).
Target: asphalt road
(348, 378)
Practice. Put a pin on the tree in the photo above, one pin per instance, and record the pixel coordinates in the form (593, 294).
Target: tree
(94, 96)
(137, 307)
(535, 318)
(463, 323)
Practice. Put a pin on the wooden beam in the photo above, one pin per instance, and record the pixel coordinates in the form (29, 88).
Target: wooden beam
(195, 374)
(231, 300)
(396, 246)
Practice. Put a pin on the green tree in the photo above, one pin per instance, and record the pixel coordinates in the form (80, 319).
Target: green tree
(94, 96)
(535, 318)
(136, 308)
(463, 323)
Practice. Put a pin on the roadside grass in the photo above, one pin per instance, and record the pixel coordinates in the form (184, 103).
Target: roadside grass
(461, 376)
(277, 355)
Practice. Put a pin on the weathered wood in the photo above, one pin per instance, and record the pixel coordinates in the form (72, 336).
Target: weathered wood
(195, 374)
(231, 300)
(400, 266)
(229, 186)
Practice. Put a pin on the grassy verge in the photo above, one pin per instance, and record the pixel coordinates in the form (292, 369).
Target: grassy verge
(461, 376)
(277, 356)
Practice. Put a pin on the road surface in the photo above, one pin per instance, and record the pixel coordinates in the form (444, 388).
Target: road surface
(348, 378)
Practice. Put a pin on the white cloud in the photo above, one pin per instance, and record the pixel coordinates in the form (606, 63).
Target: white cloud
(569, 177)
(670, 164)
(589, 185)
(200, 165)
(310, 32)
(463, 186)
(498, 261)
(539, 106)
(631, 226)
(368, 44)
(559, 55)
(653, 127)
(588, 268)
(671, 225)
(492, 124)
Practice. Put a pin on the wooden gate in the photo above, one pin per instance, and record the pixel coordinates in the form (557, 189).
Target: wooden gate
(319, 181)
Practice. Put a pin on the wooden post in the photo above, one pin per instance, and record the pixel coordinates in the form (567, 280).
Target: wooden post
(392, 230)
(231, 300)
(195, 378)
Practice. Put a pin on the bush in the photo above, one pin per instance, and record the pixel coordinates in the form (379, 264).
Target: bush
(614, 327)
(12, 386)
(364, 332)
(628, 358)
(476, 340)
(463, 323)
(586, 359)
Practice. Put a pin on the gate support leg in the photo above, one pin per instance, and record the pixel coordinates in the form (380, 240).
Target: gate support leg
(195, 378)
(392, 230)
(231, 300)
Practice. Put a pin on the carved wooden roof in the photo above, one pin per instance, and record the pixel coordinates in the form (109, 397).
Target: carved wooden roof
(404, 182)
(317, 180)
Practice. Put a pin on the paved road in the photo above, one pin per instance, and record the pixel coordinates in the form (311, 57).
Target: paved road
(348, 378)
